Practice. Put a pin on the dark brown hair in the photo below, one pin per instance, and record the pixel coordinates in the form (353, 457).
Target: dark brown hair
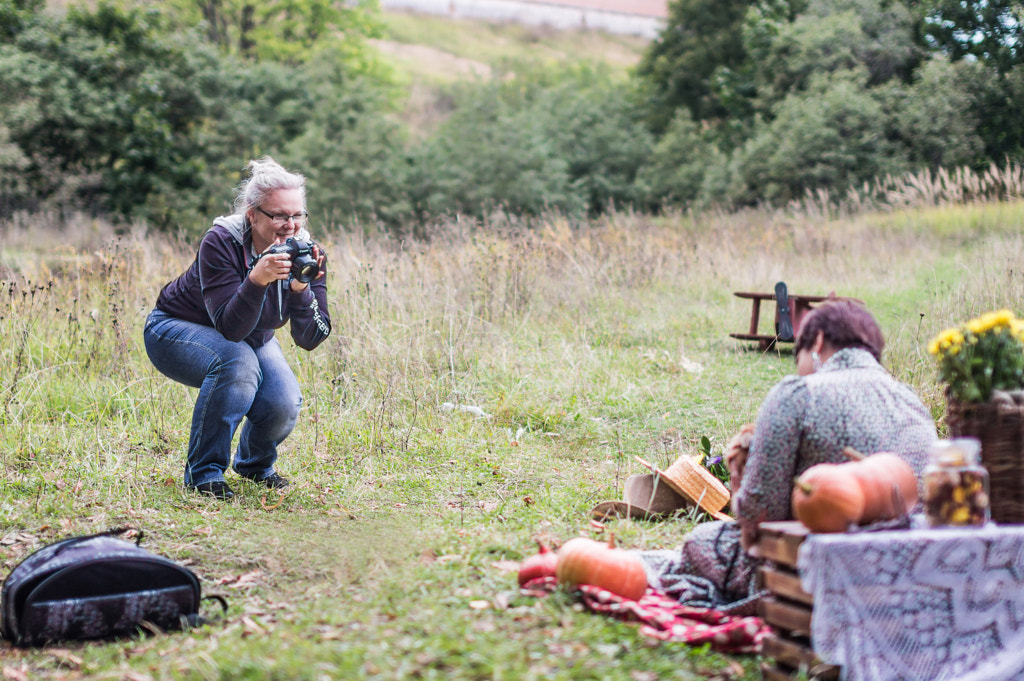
(844, 324)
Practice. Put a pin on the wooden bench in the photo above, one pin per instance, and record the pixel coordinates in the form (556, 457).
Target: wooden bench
(788, 609)
(798, 307)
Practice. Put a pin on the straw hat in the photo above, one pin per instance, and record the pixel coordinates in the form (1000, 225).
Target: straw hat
(642, 497)
(694, 483)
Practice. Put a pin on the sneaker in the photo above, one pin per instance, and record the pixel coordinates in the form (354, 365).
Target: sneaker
(216, 488)
(274, 481)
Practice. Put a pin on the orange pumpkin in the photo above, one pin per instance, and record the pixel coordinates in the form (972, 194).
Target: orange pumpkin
(585, 561)
(878, 475)
(826, 499)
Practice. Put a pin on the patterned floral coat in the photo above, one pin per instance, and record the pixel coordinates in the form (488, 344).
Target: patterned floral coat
(806, 420)
(851, 401)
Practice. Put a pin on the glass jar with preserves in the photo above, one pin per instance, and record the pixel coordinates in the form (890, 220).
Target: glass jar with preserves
(956, 484)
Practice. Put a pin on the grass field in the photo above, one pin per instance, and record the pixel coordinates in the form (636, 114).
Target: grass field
(390, 556)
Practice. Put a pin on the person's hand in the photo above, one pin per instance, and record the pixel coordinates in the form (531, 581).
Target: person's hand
(270, 268)
(748, 539)
(736, 452)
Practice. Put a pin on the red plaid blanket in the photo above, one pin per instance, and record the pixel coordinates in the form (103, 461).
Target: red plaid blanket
(662, 617)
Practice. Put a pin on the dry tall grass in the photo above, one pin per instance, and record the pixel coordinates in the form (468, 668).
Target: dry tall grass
(422, 316)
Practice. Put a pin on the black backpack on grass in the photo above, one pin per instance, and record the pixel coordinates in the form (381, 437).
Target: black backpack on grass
(96, 587)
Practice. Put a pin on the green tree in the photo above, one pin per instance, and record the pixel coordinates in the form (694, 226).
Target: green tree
(936, 117)
(830, 36)
(677, 70)
(287, 30)
(833, 135)
(676, 170)
(548, 139)
(16, 14)
(991, 31)
(352, 150)
(105, 107)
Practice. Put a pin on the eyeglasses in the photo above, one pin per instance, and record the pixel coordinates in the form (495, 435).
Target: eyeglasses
(298, 218)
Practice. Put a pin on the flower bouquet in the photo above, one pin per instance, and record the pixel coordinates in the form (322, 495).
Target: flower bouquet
(984, 355)
(982, 365)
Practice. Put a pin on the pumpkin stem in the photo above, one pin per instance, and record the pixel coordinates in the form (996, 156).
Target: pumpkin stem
(852, 454)
(611, 540)
(805, 487)
(542, 547)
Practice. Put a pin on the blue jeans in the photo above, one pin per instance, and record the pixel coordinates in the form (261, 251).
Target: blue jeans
(234, 380)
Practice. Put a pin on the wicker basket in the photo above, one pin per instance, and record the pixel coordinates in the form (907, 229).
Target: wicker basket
(999, 425)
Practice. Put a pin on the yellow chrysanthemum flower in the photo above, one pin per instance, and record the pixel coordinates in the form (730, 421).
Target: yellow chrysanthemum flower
(977, 326)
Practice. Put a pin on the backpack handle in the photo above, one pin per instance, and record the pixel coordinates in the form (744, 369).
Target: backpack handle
(113, 532)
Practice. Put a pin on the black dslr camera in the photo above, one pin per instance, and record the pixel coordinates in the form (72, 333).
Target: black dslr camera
(304, 266)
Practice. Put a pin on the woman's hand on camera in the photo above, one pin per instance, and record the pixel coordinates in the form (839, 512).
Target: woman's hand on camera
(270, 268)
(321, 257)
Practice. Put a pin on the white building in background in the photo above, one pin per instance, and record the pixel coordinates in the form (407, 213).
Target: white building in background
(637, 17)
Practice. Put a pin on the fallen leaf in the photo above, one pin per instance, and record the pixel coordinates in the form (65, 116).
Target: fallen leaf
(251, 628)
(428, 556)
(506, 565)
(205, 531)
(151, 628)
(599, 526)
(448, 558)
(341, 510)
(271, 507)
(332, 635)
(528, 501)
(65, 657)
(479, 605)
(17, 537)
(239, 581)
(136, 676)
(489, 506)
(15, 674)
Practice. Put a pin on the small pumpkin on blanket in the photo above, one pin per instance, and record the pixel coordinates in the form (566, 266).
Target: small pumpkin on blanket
(585, 561)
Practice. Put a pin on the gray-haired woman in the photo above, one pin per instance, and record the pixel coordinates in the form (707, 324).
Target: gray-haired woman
(213, 329)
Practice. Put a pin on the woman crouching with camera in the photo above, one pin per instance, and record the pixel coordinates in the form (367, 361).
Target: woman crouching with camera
(213, 328)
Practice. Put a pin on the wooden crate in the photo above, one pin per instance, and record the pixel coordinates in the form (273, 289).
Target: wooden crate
(789, 609)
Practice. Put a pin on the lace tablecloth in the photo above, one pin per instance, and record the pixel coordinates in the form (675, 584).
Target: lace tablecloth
(919, 604)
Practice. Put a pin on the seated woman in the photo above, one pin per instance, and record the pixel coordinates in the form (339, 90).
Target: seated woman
(841, 397)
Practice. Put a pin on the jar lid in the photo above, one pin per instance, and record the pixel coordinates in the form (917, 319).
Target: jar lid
(956, 452)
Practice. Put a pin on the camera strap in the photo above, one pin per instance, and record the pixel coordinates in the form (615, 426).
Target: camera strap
(280, 299)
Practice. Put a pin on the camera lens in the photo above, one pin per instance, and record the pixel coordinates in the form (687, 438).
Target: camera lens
(305, 272)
